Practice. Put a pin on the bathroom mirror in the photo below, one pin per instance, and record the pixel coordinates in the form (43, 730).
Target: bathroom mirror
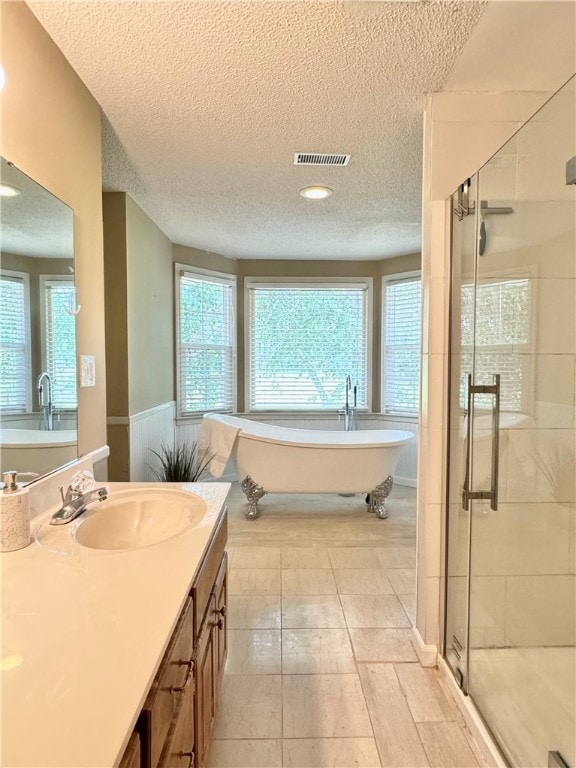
(38, 383)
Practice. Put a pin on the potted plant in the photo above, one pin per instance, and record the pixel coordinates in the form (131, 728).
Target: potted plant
(183, 463)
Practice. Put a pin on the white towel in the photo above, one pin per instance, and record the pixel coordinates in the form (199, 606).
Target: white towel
(216, 439)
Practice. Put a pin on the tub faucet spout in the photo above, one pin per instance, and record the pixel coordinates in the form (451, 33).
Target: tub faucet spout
(349, 411)
(44, 387)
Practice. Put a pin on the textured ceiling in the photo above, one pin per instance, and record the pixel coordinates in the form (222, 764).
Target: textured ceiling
(34, 223)
(206, 103)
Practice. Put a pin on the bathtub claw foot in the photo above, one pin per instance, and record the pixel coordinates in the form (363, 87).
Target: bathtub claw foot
(254, 493)
(377, 497)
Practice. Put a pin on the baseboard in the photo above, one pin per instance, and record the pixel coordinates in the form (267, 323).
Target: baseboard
(427, 654)
(489, 753)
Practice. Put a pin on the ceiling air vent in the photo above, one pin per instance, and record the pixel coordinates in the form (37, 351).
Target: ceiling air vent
(318, 158)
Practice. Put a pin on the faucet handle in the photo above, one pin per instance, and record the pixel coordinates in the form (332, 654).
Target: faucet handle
(82, 481)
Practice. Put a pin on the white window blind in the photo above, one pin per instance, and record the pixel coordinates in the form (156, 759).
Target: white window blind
(401, 347)
(14, 334)
(60, 340)
(305, 339)
(206, 353)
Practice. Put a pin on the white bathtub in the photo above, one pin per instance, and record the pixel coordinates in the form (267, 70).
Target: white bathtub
(282, 460)
(35, 450)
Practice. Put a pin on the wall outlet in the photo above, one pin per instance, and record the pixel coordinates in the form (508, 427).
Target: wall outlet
(87, 371)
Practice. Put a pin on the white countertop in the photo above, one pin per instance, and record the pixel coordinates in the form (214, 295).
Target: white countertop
(83, 634)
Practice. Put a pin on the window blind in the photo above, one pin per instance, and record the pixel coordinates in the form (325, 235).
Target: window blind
(305, 339)
(401, 347)
(14, 363)
(60, 341)
(206, 354)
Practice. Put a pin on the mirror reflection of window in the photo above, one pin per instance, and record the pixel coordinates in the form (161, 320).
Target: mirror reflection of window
(15, 390)
(59, 342)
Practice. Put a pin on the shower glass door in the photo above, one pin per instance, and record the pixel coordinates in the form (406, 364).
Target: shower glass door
(512, 450)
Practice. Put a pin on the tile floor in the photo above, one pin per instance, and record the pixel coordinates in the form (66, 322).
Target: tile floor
(321, 669)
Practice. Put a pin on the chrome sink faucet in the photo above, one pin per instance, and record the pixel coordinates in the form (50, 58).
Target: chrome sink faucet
(45, 401)
(75, 502)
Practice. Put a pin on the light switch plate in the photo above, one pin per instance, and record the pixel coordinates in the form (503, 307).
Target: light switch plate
(87, 371)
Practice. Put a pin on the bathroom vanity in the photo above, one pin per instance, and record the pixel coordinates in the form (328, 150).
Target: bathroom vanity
(114, 658)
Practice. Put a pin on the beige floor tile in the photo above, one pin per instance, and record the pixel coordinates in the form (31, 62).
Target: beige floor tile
(256, 557)
(254, 652)
(263, 581)
(383, 645)
(308, 582)
(362, 581)
(245, 753)
(353, 557)
(426, 699)
(324, 706)
(371, 611)
(446, 745)
(312, 612)
(313, 651)
(409, 605)
(330, 753)
(403, 580)
(254, 611)
(249, 707)
(394, 729)
(397, 555)
(305, 557)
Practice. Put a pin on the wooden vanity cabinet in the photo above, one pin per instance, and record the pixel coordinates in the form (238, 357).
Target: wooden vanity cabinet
(177, 718)
(132, 757)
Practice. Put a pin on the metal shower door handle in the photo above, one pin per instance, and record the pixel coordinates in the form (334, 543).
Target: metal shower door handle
(467, 492)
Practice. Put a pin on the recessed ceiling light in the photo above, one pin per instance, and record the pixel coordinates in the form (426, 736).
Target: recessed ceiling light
(6, 190)
(316, 192)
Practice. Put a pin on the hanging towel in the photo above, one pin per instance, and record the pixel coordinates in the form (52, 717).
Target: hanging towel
(216, 439)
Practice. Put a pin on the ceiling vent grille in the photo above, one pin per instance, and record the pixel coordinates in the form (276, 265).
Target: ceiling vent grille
(318, 158)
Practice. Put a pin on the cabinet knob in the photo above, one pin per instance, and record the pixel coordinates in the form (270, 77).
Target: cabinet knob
(219, 623)
(222, 611)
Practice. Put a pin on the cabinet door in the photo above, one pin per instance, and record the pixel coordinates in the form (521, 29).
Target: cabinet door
(204, 667)
(221, 622)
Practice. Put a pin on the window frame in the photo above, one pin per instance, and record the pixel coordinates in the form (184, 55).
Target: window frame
(207, 275)
(25, 277)
(315, 282)
(386, 280)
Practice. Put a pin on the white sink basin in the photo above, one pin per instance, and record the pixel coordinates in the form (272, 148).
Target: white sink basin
(131, 519)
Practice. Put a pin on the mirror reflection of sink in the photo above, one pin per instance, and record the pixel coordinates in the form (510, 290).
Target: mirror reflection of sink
(131, 519)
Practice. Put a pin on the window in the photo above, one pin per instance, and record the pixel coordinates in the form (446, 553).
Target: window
(14, 335)
(304, 340)
(59, 339)
(401, 344)
(206, 349)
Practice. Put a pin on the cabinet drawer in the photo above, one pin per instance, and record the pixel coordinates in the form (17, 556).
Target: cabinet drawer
(179, 751)
(131, 757)
(204, 582)
(165, 696)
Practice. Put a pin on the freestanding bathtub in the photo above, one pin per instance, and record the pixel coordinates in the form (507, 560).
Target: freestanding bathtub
(283, 460)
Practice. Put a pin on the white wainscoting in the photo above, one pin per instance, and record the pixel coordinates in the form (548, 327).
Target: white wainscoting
(406, 470)
(149, 430)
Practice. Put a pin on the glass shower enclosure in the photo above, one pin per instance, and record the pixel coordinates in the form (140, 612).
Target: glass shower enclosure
(510, 570)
